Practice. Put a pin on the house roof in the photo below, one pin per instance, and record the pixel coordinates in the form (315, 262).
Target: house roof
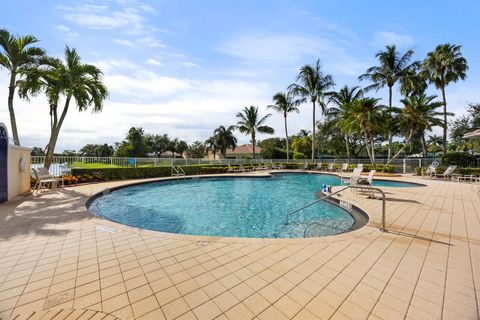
(472, 135)
(244, 149)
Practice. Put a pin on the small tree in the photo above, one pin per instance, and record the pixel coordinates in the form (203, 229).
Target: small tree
(250, 124)
(196, 150)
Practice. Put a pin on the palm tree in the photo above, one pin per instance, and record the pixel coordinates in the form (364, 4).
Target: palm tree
(303, 133)
(285, 103)
(367, 118)
(211, 144)
(392, 67)
(250, 123)
(69, 79)
(312, 83)
(342, 101)
(418, 115)
(443, 66)
(225, 139)
(413, 82)
(19, 57)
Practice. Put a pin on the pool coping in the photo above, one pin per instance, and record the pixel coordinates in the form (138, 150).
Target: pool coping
(203, 238)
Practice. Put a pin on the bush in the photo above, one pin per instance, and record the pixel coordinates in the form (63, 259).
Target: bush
(441, 169)
(299, 155)
(459, 159)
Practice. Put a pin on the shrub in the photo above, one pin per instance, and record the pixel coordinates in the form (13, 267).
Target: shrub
(460, 159)
(299, 155)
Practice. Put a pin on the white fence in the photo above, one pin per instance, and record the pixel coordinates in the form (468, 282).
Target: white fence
(63, 164)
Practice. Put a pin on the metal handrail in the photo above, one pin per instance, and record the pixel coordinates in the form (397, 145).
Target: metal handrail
(382, 228)
(177, 171)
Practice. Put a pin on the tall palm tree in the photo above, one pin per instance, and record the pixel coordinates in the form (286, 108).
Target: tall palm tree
(211, 144)
(342, 101)
(251, 123)
(285, 104)
(367, 118)
(19, 57)
(443, 66)
(225, 139)
(413, 82)
(419, 114)
(69, 79)
(313, 84)
(392, 67)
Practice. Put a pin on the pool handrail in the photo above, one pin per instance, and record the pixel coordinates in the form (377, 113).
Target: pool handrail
(382, 227)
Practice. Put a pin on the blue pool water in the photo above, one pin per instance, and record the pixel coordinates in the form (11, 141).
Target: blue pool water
(232, 207)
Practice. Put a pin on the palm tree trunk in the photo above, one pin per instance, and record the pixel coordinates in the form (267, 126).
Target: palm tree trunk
(390, 94)
(11, 111)
(444, 120)
(253, 146)
(347, 144)
(54, 133)
(399, 151)
(424, 144)
(286, 136)
(313, 133)
(367, 147)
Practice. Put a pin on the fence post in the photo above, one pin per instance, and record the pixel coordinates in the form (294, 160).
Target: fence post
(420, 162)
(404, 166)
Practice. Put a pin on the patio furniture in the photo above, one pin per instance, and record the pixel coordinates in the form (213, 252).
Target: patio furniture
(430, 171)
(45, 179)
(360, 166)
(456, 177)
(352, 179)
(344, 167)
(305, 166)
(368, 183)
(277, 166)
(447, 173)
(331, 167)
(319, 166)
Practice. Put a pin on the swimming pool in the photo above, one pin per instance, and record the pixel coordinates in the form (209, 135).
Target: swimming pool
(231, 207)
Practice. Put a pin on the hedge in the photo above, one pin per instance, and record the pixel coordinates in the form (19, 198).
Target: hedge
(464, 171)
(460, 159)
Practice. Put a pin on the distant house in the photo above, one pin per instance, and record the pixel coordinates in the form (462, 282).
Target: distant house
(472, 135)
(244, 151)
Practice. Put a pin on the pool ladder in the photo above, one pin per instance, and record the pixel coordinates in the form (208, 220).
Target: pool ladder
(382, 227)
(178, 172)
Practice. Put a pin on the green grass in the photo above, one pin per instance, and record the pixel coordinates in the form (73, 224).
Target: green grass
(93, 165)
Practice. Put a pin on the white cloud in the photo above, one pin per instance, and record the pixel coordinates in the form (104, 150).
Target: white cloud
(151, 42)
(154, 62)
(61, 27)
(124, 42)
(384, 38)
(290, 51)
(191, 64)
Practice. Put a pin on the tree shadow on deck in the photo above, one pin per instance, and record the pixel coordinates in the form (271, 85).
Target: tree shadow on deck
(41, 214)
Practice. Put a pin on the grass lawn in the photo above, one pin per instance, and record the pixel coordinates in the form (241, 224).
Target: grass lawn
(92, 165)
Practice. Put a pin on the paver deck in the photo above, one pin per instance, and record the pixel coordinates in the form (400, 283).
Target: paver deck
(58, 261)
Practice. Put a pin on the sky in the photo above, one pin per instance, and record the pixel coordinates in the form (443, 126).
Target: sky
(186, 67)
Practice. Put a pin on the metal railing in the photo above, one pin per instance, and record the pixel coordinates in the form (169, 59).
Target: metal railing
(63, 164)
(177, 172)
(382, 227)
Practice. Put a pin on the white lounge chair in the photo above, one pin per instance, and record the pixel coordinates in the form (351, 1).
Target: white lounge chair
(368, 183)
(331, 167)
(319, 166)
(430, 171)
(45, 179)
(305, 166)
(353, 178)
(360, 166)
(447, 173)
(344, 167)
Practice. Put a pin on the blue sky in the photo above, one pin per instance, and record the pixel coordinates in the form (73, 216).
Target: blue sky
(185, 67)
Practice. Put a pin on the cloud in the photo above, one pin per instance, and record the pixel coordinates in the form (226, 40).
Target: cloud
(61, 27)
(154, 62)
(151, 42)
(191, 64)
(266, 50)
(124, 42)
(384, 38)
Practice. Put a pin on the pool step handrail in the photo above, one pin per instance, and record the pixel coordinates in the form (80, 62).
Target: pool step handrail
(178, 172)
(382, 227)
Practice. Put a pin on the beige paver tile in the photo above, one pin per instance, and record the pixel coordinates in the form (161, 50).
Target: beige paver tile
(207, 311)
(239, 312)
